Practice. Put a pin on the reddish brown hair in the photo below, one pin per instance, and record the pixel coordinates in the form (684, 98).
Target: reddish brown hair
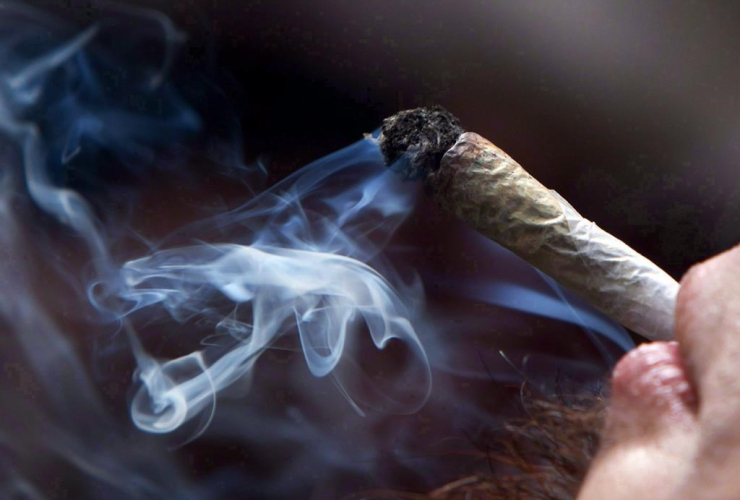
(543, 455)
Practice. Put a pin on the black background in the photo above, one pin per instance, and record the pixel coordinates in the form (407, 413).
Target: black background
(628, 109)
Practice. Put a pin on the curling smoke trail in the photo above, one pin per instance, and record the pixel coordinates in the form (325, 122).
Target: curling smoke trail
(302, 263)
(321, 264)
(311, 277)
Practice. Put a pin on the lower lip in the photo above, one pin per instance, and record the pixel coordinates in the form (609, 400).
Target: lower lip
(654, 374)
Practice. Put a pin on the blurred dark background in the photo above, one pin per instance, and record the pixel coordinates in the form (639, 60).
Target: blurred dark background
(629, 109)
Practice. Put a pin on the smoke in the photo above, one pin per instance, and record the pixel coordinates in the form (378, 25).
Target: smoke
(297, 261)
(317, 337)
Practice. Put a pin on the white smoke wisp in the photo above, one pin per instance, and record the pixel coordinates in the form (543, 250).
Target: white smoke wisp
(321, 293)
(315, 282)
(303, 267)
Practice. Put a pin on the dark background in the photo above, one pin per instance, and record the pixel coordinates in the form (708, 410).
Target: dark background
(628, 109)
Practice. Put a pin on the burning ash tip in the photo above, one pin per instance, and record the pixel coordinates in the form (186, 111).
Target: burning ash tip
(419, 138)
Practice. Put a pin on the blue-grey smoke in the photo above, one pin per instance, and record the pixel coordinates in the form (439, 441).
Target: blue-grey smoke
(297, 326)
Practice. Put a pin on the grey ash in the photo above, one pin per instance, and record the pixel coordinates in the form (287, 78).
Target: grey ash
(413, 142)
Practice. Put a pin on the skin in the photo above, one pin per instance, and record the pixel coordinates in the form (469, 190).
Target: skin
(673, 423)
